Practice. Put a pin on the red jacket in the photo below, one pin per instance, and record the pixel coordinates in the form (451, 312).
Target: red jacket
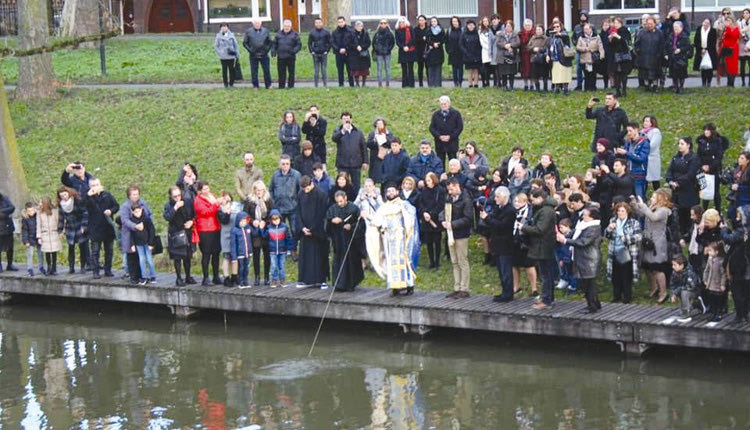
(729, 40)
(205, 215)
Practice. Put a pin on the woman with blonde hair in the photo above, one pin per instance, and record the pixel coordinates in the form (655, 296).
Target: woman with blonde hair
(258, 206)
(521, 247)
(654, 245)
(407, 51)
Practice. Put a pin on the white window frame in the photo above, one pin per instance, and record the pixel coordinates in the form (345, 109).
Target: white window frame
(315, 7)
(686, 6)
(469, 15)
(373, 17)
(255, 11)
(622, 11)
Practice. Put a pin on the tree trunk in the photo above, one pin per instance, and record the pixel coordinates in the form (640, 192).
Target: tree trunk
(80, 18)
(36, 79)
(12, 177)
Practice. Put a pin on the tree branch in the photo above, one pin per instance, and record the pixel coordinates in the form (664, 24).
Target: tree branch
(60, 44)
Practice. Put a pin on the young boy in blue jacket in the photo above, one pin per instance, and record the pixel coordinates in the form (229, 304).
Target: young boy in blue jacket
(279, 241)
(241, 249)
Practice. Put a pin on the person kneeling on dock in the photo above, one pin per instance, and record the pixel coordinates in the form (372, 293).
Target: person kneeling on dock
(393, 242)
(684, 285)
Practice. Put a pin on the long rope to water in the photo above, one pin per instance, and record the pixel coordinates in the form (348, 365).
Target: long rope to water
(333, 288)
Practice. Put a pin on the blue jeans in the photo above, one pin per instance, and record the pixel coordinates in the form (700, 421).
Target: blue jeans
(640, 187)
(505, 270)
(146, 258)
(458, 74)
(30, 250)
(278, 263)
(384, 62)
(243, 265)
(547, 269)
(291, 221)
(266, 64)
(566, 274)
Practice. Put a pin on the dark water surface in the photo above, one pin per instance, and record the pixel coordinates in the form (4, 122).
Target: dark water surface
(67, 368)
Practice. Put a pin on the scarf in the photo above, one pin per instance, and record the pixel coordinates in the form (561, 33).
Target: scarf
(620, 232)
(704, 37)
(67, 205)
(424, 158)
(583, 225)
(521, 215)
(407, 39)
(674, 41)
(645, 130)
(260, 208)
(512, 165)
(694, 248)
(436, 30)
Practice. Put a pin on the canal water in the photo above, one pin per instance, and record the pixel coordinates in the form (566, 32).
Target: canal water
(94, 368)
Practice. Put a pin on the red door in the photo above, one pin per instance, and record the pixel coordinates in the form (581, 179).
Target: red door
(556, 8)
(170, 16)
(128, 17)
(505, 10)
(289, 11)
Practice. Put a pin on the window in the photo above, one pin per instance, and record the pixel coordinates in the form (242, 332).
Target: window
(632, 6)
(375, 8)
(445, 8)
(715, 5)
(236, 10)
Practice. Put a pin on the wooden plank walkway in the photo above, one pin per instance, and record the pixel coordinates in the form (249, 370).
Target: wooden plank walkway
(634, 327)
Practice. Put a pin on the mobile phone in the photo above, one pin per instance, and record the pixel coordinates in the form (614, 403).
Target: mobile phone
(595, 100)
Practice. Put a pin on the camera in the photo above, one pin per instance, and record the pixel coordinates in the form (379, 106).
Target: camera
(314, 116)
(595, 100)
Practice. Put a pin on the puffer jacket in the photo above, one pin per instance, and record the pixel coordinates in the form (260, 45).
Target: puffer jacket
(286, 45)
(225, 46)
(383, 42)
(240, 240)
(638, 156)
(28, 231)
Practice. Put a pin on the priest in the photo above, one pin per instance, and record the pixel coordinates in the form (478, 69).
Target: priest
(344, 227)
(310, 229)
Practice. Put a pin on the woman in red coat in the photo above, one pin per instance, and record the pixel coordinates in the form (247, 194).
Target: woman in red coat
(729, 42)
(524, 36)
(209, 230)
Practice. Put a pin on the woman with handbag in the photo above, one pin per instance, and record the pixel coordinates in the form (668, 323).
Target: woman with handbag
(592, 51)
(225, 45)
(179, 214)
(506, 55)
(537, 48)
(704, 45)
(624, 235)
(729, 53)
(520, 257)
(560, 57)
(655, 246)
(359, 54)
(678, 53)
(619, 40)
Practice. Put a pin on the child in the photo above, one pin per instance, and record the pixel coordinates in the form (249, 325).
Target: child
(715, 279)
(690, 239)
(227, 216)
(241, 248)
(142, 240)
(279, 241)
(28, 236)
(321, 179)
(684, 286)
(563, 255)
(46, 233)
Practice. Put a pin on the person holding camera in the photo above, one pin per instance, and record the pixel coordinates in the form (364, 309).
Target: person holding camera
(76, 177)
(611, 121)
(227, 50)
(315, 127)
(624, 235)
(351, 150)
(655, 258)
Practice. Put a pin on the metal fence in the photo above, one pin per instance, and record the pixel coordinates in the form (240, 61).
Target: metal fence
(9, 17)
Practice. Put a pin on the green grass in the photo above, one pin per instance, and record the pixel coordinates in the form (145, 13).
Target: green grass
(144, 137)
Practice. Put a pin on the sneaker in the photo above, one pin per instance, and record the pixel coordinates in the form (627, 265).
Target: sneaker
(31, 272)
(561, 285)
(143, 282)
(134, 282)
(684, 320)
(152, 281)
(42, 270)
(323, 286)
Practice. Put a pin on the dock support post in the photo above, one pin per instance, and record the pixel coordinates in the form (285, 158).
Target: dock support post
(419, 329)
(5, 298)
(633, 349)
(183, 312)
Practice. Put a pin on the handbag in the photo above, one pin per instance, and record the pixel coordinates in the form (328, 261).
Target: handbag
(706, 63)
(178, 239)
(595, 56)
(237, 70)
(623, 57)
(568, 52)
(706, 184)
(195, 238)
(726, 52)
(156, 246)
(622, 256)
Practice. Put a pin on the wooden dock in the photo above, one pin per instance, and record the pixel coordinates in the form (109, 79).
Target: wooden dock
(634, 327)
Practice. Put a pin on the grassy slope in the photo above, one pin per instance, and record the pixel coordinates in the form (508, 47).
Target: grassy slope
(144, 137)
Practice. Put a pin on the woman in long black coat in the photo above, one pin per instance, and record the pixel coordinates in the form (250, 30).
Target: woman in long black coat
(180, 214)
(407, 51)
(430, 203)
(679, 51)
(358, 53)
(453, 48)
(704, 42)
(434, 55)
(619, 41)
(683, 168)
(420, 33)
(471, 53)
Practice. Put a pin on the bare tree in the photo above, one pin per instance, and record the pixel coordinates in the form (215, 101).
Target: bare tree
(36, 78)
(12, 176)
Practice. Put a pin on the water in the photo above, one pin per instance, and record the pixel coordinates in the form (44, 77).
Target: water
(79, 369)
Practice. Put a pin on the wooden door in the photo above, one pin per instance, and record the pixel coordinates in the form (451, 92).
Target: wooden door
(128, 17)
(505, 10)
(289, 11)
(556, 8)
(170, 16)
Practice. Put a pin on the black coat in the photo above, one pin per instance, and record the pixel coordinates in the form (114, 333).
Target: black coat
(383, 42)
(406, 56)
(351, 151)
(453, 46)
(6, 216)
(28, 231)
(541, 231)
(682, 170)
(316, 134)
(319, 41)
(435, 56)
(376, 164)
(394, 167)
(100, 228)
(304, 165)
(462, 215)
(611, 124)
(678, 62)
(710, 48)
(257, 42)
(359, 60)
(420, 35)
(621, 46)
(619, 185)
(711, 151)
(287, 45)
(341, 38)
(649, 48)
(451, 124)
(177, 220)
(431, 201)
(471, 48)
(500, 222)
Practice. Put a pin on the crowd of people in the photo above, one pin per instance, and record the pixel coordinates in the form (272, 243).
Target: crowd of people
(496, 52)
(531, 218)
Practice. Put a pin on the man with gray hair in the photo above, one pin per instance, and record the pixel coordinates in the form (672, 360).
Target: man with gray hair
(446, 126)
(286, 46)
(500, 218)
(257, 41)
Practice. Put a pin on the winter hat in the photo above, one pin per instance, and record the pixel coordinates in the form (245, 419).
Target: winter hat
(274, 213)
(604, 142)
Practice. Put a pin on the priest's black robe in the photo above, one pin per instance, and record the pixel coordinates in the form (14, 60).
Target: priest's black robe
(352, 273)
(313, 250)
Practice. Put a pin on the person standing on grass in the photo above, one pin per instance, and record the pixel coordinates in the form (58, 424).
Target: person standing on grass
(76, 177)
(246, 177)
(319, 43)
(636, 150)
(258, 43)
(587, 255)
(6, 231)
(379, 143)
(383, 42)
(207, 225)
(180, 215)
(101, 207)
(423, 163)
(286, 45)
(446, 127)
(711, 149)
(395, 163)
(341, 38)
(540, 231)
(351, 150)
(315, 128)
(228, 52)
(457, 219)
(611, 121)
(290, 134)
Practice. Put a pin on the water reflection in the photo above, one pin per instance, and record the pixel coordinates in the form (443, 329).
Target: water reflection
(86, 372)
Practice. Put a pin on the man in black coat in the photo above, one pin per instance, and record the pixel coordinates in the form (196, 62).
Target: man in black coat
(611, 121)
(257, 41)
(500, 223)
(458, 225)
(315, 127)
(618, 182)
(310, 229)
(6, 231)
(102, 208)
(351, 150)
(341, 38)
(395, 164)
(319, 43)
(286, 46)
(446, 126)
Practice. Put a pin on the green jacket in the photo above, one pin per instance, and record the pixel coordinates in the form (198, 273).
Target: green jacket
(541, 231)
